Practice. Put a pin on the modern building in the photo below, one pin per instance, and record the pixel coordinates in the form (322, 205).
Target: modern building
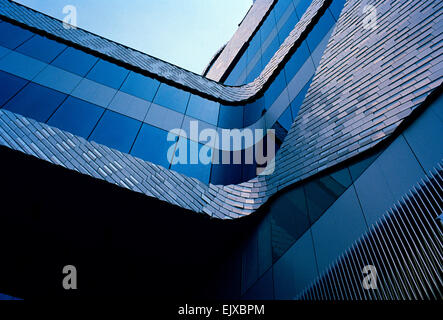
(352, 199)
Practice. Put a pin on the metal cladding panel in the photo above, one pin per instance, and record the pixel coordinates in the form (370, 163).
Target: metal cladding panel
(405, 247)
(367, 83)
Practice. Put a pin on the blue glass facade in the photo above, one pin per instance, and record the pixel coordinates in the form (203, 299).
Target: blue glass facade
(120, 108)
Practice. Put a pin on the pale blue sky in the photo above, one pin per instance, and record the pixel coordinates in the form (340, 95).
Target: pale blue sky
(183, 32)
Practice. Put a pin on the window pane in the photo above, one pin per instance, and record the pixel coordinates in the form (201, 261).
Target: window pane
(253, 111)
(129, 106)
(13, 36)
(336, 8)
(267, 27)
(75, 61)
(254, 47)
(297, 102)
(281, 7)
(289, 25)
(140, 86)
(36, 101)
(21, 65)
(193, 149)
(203, 109)
(297, 60)
(94, 92)
(77, 117)
(270, 51)
(301, 6)
(172, 98)
(57, 79)
(152, 145)
(10, 85)
(41, 48)
(231, 117)
(320, 30)
(275, 89)
(108, 74)
(116, 131)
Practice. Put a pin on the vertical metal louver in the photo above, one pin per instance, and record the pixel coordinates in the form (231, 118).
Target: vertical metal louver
(404, 246)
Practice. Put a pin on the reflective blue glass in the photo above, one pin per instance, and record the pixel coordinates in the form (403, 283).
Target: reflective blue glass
(203, 109)
(200, 171)
(36, 102)
(254, 47)
(152, 145)
(116, 131)
(275, 89)
(336, 7)
(172, 98)
(320, 30)
(10, 85)
(280, 8)
(253, 111)
(285, 119)
(41, 48)
(288, 26)
(108, 74)
(270, 51)
(13, 36)
(76, 116)
(267, 26)
(297, 102)
(140, 86)
(226, 173)
(230, 117)
(296, 61)
(75, 61)
(238, 70)
(301, 6)
(255, 72)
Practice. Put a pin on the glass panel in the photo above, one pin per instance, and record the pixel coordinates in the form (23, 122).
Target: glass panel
(172, 98)
(285, 120)
(140, 86)
(58, 79)
(20, 65)
(108, 74)
(238, 70)
(225, 174)
(203, 109)
(116, 131)
(152, 145)
(254, 47)
(289, 220)
(94, 92)
(281, 7)
(297, 102)
(275, 89)
(129, 106)
(336, 7)
(301, 6)
(288, 26)
(255, 72)
(296, 61)
(231, 117)
(75, 61)
(10, 85)
(321, 194)
(36, 102)
(359, 167)
(13, 36)
(253, 111)
(267, 27)
(41, 48)
(270, 51)
(77, 117)
(193, 150)
(320, 30)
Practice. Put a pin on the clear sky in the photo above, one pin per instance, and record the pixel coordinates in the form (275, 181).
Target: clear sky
(183, 32)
